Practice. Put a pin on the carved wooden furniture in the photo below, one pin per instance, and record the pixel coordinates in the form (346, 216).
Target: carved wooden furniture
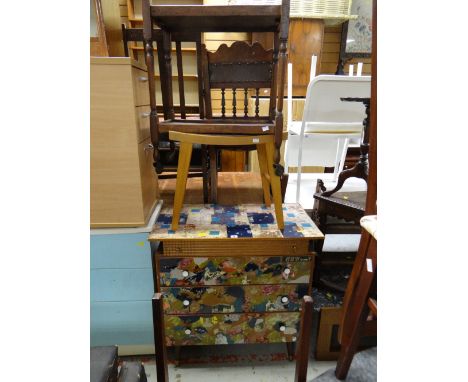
(124, 189)
(360, 296)
(172, 19)
(230, 276)
(303, 343)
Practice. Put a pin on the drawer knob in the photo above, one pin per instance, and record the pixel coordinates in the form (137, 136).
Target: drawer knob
(287, 271)
(284, 299)
(282, 328)
(148, 147)
(187, 331)
(145, 115)
(142, 79)
(185, 273)
(186, 302)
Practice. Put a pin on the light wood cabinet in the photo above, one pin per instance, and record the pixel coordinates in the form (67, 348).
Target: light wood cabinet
(124, 187)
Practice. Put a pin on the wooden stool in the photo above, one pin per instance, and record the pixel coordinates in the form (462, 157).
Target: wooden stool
(265, 148)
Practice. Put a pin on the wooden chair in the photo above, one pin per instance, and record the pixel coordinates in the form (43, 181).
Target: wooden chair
(359, 297)
(242, 68)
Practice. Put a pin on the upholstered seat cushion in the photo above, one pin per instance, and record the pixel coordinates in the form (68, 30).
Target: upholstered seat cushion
(103, 360)
(369, 223)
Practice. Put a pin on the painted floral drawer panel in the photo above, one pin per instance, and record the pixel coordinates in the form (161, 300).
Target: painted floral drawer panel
(234, 299)
(203, 271)
(231, 328)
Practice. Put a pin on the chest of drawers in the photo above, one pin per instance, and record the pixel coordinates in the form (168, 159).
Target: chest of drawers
(229, 276)
(124, 188)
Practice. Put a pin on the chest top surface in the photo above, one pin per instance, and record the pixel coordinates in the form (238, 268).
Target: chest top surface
(244, 221)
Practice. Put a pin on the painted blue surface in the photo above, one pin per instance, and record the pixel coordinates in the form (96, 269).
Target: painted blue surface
(121, 323)
(121, 289)
(130, 250)
(121, 284)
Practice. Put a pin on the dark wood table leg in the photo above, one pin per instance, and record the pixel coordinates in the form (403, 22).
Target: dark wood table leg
(213, 175)
(159, 339)
(303, 343)
(290, 350)
(204, 164)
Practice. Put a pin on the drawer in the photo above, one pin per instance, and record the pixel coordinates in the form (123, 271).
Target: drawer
(140, 83)
(223, 329)
(234, 299)
(203, 271)
(143, 122)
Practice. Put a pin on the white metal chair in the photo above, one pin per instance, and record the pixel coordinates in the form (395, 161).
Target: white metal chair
(321, 138)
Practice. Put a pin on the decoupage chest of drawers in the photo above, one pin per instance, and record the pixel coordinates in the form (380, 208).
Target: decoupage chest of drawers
(229, 276)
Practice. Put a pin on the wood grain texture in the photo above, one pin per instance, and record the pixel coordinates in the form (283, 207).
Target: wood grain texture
(123, 191)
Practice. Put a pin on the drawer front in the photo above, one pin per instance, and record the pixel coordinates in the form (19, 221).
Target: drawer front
(226, 329)
(143, 121)
(140, 83)
(200, 271)
(234, 299)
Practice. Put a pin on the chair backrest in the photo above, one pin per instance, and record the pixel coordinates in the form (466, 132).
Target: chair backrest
(323, 103)
(240, 70)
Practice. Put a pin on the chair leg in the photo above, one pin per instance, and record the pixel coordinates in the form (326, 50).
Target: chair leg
(355, 317)
(263, 164)
(213, 175)
(204, 163)
(185, 153)
(275, 185)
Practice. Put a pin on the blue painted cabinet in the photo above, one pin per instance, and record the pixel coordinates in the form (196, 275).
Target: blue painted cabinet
(121, 289)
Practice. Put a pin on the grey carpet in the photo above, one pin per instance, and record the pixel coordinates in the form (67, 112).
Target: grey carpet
(363, 369)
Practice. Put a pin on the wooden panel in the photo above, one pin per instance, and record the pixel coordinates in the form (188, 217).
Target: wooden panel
(234, 299)
(243, 270)
(305, 39)
(121, 323)
(231, 329)
(118, 195)
(232, 161)
(140, 80)
(130, 250)
(142, 116)
(121, 284)
(112, 20)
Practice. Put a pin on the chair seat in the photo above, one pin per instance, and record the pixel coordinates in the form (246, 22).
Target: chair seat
(219, 126)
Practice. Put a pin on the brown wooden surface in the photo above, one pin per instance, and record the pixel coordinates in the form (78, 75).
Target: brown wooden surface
(233, 188)
(329, 317)
(98, 44)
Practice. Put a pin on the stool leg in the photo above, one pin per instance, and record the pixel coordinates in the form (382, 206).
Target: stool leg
(185, 153)
(275, 185)
(263, 164)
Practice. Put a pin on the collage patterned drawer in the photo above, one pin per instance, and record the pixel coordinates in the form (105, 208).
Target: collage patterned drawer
(204, 271)
(226, 329)
(234, 299)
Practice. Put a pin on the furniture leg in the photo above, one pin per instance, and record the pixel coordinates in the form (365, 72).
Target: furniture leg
(284, 185)
(303, 343)
(177, 349)
(263, 164)
(356, 316)
(185, 153)
(290, 350)
(213, 175)
(204, 163)
(275, 184)
(159, 339)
